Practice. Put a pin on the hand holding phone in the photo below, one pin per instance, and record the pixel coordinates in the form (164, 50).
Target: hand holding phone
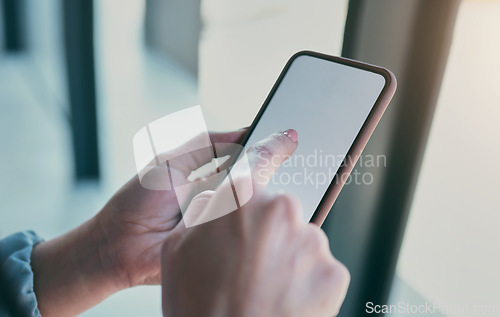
(246, 263)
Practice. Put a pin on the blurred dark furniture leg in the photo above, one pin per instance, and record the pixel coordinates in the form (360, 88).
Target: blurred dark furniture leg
(14, 31)
(367, 223)
(79, 49)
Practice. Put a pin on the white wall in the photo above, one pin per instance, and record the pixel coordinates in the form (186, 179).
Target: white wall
(450, 252)
(245, 44)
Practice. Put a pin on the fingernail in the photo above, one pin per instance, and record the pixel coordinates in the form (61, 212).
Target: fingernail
(292, 134)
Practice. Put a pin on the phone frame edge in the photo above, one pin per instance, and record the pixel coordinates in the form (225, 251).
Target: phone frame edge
(362, 137)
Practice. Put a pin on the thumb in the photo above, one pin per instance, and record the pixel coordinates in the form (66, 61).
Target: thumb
(266, 156)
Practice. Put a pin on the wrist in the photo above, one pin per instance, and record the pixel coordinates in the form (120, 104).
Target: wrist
(69, 275)
(110, 250)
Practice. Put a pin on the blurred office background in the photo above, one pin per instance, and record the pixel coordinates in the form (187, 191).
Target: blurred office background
(79, 78)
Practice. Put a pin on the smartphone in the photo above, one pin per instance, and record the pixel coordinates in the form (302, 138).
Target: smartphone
(334, 104)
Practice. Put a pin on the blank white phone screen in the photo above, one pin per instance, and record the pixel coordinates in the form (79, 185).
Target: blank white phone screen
(327, 104)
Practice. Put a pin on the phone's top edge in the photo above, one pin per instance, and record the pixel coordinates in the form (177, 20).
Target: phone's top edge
(390, 78)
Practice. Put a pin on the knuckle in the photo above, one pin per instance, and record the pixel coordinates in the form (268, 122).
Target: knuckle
(338, 273)
(262, 150)
(287, 201)
(284, 207)
(282, 140)
(335, 283)
(316, 239)
(346, 275)
(290, 202)
(283, 199)
(278, 207)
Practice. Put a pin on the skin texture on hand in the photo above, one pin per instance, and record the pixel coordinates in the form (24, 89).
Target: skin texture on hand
(121, 247)
(260, 260)
(118, 248)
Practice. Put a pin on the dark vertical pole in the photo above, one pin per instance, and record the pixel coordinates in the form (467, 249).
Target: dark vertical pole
(14, 28)
(424, 72)
(412, 38)
(79, 48)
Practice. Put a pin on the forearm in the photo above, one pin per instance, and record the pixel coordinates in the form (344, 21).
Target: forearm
(69, 275)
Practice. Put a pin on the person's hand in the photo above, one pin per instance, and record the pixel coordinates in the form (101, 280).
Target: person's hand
(118, 248)
(137, 220)
(260, 260)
